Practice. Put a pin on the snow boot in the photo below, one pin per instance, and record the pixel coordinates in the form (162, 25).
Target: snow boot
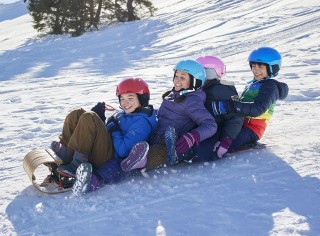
(137, 157)
(65, 154)
(69, 170)
(170, 140)
(83, 179)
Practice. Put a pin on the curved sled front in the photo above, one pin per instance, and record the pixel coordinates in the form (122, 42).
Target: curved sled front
(36, 158)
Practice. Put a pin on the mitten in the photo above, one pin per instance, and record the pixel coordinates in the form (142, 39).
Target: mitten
(113, 126)
(221, 107)
(100, 110)
(186, 141)
(111, 119)
(221, 147)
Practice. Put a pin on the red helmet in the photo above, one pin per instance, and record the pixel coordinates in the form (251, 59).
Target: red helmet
(132, 85)
(135, 85)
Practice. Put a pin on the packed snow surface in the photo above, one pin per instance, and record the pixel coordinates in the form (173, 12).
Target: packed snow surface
(274, 191)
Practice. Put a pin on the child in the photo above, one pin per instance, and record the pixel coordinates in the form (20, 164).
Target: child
(100, 148)
(258, 100)
(229, 125)
(183, 120)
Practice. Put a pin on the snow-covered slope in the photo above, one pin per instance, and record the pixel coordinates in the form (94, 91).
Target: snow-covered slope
(275, 191)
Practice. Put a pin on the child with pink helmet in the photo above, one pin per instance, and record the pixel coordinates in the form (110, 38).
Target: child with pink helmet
(229, 125)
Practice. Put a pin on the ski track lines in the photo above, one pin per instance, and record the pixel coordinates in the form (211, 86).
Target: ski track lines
(100, 217)
(128, 192)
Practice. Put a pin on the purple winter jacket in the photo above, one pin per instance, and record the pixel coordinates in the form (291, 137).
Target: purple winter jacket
(185, 116)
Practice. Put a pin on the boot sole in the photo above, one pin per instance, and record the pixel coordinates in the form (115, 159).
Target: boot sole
(170, 139)
(83, 177)
(129, 164)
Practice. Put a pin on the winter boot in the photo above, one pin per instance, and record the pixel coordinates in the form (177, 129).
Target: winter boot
(170, 139)
(83, 179)
(62, 151)
(70, 169)
(137, 157)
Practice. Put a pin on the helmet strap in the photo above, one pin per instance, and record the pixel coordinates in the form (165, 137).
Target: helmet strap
(275, 69)
(185, 91)
(192, 82)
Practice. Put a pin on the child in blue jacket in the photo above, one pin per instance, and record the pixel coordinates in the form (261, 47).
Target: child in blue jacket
(135, 123)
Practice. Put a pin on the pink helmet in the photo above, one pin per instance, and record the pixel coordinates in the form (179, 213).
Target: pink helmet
(211, 62)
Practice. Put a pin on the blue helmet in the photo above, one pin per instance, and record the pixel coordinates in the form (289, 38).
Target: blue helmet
(195, 69)
(268, 56)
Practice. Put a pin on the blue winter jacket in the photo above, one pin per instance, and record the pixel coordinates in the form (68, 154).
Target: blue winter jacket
(185, 115)
(134, 127)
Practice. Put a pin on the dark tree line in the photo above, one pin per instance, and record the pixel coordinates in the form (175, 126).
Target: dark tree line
(78, 16)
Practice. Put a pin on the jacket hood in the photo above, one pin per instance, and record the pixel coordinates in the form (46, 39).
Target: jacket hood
(283, 89)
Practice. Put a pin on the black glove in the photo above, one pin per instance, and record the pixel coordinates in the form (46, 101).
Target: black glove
(111, 119)
(113, 127)
(112, 124)
(100, 110)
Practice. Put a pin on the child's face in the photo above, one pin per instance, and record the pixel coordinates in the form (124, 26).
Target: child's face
(259, 71)
(129, 102)
(181, 80)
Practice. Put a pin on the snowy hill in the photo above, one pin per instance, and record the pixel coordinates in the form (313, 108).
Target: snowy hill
(275, 191)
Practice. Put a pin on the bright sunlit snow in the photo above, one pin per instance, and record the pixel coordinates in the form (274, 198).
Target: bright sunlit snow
(274, 191)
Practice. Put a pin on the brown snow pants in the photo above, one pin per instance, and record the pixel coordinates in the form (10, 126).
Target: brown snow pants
(86, 133)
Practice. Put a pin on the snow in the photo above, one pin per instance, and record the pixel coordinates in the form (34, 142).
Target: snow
(274, 191)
